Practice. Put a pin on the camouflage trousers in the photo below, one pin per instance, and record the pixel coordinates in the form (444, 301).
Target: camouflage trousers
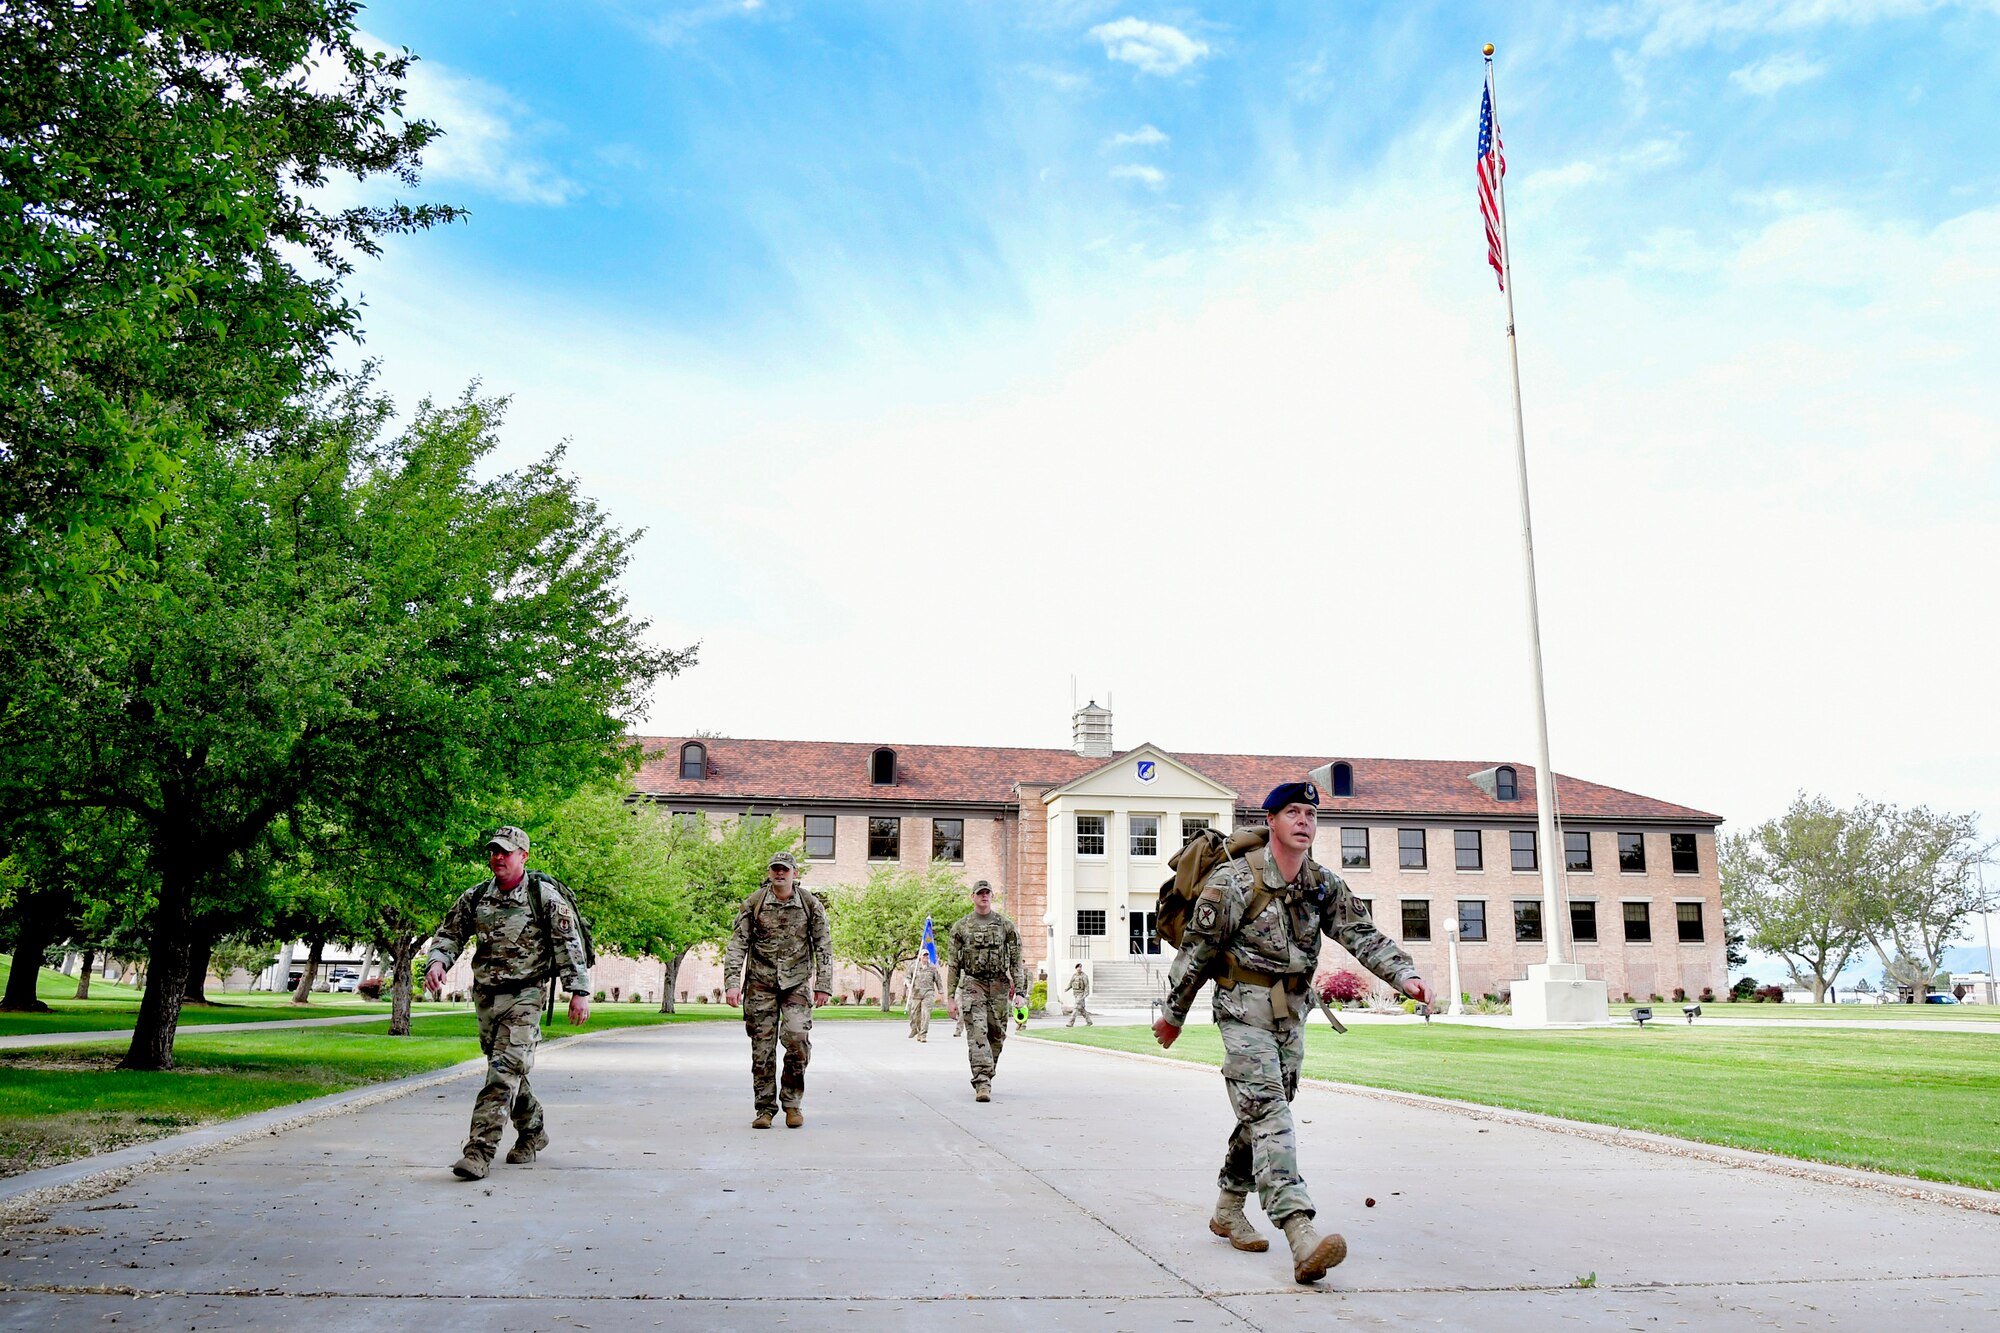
(1260, 1068)
(772, 1016)
(984, 1005)
(920, 1015)
(510, 1027)
(1080, 1010)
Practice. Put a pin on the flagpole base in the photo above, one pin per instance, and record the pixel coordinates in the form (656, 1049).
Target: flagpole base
(1559, 995)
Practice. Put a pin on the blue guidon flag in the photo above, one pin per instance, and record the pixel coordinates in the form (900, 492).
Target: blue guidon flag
(930, 944)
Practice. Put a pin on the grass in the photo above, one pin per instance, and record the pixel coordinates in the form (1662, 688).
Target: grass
(1866, 1013)
(1924, 1104)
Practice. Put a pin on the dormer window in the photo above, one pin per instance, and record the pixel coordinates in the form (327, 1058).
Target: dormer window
(882, 767)
(1504, 786)
(694, 762)
(1343, 779)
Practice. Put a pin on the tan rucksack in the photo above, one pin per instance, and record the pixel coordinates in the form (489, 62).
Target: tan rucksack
(1192, 865)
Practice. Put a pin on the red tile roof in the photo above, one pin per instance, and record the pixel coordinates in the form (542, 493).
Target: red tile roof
(775, 772)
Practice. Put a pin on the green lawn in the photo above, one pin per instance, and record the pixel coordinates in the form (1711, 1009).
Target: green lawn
(1866, 1013)
(1923, 1104)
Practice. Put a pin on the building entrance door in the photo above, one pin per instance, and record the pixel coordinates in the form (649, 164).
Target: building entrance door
(1145, 932)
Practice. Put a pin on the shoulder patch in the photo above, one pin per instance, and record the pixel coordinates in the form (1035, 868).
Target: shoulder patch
(1211, 894)
(1207, 915)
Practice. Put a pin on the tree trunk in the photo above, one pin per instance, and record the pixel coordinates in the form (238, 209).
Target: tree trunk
(886, 978)
(34, 938)
(367, 965)
(669, 978)
(160, 1007)
(83, 974)
(281, 971)
(303, 995)
(404, 950)
(200, 953)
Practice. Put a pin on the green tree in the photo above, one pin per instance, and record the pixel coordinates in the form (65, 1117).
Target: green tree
(170, 268)
(1924, 887)
(337, 621)
(243, 953)
(1793, 886)
(878, 925)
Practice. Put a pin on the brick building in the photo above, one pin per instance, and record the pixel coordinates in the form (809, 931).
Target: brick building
(1077, 842)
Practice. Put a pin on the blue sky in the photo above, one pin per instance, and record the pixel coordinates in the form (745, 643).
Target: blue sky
(951, 351)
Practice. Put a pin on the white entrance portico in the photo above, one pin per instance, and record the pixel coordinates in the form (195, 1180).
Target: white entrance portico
(1111, 832)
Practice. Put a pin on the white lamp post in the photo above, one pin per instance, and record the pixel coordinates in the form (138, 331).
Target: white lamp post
(1457, 1006)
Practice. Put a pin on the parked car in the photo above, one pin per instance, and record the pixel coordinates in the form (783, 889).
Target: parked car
(1940, 997)
(346, 984)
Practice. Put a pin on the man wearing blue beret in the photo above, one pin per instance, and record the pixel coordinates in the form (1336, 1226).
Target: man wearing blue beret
(1256, 929)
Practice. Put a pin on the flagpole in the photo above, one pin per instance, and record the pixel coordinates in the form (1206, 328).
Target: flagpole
(1545, 777)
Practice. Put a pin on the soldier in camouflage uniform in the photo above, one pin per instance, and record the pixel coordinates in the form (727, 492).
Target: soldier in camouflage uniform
(985, 973)
(778, 967)
(1079, 986)
(509, 969)
(1262, 961)
(923, 985)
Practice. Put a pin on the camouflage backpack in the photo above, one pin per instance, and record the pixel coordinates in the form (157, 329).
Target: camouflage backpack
(1192, 865)
(539, 886)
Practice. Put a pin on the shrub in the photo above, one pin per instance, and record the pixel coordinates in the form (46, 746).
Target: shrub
(1628, 997)
(370, 989)
(1744, 988)
(1038, 998)
(1771, 994)
(684, 997)
(1341, 987)
(1680, 995)
(599, 997)
(1708, 995)
(1654, 999)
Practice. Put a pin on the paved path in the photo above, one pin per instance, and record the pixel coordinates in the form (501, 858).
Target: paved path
(1076, 1199)
(19, 1039)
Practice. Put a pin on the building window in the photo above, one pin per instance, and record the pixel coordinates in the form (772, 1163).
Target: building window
(1416, 919)
(1465, 843)
(1145, 836)
(1681, 845)
(688, 820)
(694, 762)
(754, 821)
(882, 767)
(1687, 920)
(819, 837)
(947, 840)
(1343, 779)
(1638, 923)
(1576, 851)
(1471, 920)
(1191, 825)
(1505, 787)
(1583, 922)
(1354, 849)
(1632, 853)
(885, 838)
(1521, 843)
(1090, 921)
(1090, 835)
(1527, 920)
(1410, 848)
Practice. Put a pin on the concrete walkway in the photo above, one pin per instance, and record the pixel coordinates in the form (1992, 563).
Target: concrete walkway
(1076, 1199)
(21, 1039)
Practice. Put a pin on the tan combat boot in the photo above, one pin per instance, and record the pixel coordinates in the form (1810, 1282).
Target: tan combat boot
(763, 1120)
(526, 1146)
(1312, 1253)
(982, 1092)
(794, 1117)
(1230, 1224)
(471, 1167)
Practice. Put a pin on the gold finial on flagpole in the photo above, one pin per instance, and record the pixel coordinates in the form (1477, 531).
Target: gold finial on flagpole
(1488, 50)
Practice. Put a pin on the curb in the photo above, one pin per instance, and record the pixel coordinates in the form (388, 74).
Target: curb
(1798, 1168)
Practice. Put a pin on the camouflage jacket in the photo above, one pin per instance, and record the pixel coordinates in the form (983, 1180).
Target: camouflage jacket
(1283, 940)
(784, 944)
(989, 948)
(1079, 985)
(923, 978)
(510, 953)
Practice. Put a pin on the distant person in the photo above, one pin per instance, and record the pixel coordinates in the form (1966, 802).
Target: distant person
(1256, 929)
(779, 967)
(1079, 986)
(924, 984)
(985, 973)
(521, 924)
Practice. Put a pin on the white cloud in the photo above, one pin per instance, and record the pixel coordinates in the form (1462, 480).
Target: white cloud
(482, 144)
(1146, 136)
(1649, 155)
(1150, 177)
(1677, 25)
(1765, 77)
(674, 28)
(1155, 48)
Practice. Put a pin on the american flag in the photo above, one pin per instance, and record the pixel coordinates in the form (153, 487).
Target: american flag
(1492, 166)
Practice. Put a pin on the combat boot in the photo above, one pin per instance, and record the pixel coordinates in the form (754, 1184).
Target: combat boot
(1312, 1253)
(982, 1092)
(763, 1120)
(525, 1147)
(472, 1167)
(1230, 1224)
(794, 1117)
